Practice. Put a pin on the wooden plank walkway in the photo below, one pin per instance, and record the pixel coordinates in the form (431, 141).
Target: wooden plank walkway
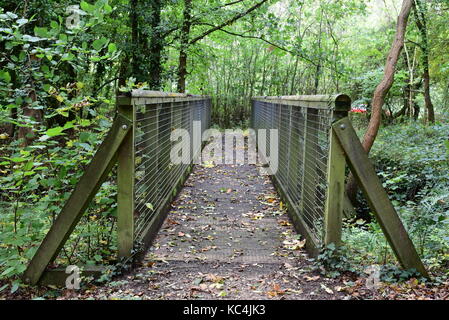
(227, 236)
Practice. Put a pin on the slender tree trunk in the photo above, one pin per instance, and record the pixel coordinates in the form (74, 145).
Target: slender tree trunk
(384, 87)
(135, 46)
(131, 64)
(382, 90)
(318, 66)
(27, 134)
(413, 108)
(156, 46)
(421, 22)
(185, 36)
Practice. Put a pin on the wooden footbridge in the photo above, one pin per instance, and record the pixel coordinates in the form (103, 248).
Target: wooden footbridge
(316, 143)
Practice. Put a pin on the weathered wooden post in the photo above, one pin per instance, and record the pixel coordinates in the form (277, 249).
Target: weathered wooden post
(377, 197)
(336, 167)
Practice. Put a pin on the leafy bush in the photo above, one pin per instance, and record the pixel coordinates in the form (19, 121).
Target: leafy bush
(38, 180)
(37, 177)
(412, 160)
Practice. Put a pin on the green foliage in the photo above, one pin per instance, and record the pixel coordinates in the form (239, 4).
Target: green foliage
(413, 162)
(333, 261)
(38, 180)
(54, 80)
(45, 71)
(392, 274)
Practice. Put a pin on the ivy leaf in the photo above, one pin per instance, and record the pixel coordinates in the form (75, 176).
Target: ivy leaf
(4, 75)
(14, 287)
(53, 132)
(12, 15)
(107, 8)
(99, 43)
(54, 25)
(86, 6)
(29, 38)
(21, 22)
(112, 48)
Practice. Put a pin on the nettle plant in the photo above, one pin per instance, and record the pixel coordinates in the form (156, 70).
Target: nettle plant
(40, 70)
(43, 92)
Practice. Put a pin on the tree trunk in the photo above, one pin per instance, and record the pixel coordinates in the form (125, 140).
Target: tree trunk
(156, 46)
(135, 52)
(27, 134)
(382, 90)
(185, 35)
(421, 22)
(386, 83)
(318, 66)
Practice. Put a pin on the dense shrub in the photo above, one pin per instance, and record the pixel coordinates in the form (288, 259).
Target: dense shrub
(412, 160)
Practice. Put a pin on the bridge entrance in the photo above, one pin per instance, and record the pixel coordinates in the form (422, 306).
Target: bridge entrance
(312, 144)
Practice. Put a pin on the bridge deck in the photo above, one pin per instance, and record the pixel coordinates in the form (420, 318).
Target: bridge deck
(226, 235)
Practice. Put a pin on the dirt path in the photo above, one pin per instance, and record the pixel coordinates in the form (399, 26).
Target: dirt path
(226, 237)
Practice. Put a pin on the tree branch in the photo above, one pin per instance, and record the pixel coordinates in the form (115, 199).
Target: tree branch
(294, 53)
(197, 18)
(228, 22)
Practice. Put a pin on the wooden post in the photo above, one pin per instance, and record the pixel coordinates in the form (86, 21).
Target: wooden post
(335, 192)
(125, 188)
(377, 197)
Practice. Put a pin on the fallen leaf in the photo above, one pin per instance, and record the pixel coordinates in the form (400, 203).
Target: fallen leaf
(328, 290)
(311, 278)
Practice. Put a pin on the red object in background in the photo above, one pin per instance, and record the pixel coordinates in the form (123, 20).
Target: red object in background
(359, 109)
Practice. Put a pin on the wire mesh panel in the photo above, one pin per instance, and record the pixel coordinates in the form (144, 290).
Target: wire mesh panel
(157, 176)
(303, 124)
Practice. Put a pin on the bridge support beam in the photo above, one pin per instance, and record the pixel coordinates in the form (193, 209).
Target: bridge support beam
(335, 192)
(125, 189)
(377, 197)
(84, 192)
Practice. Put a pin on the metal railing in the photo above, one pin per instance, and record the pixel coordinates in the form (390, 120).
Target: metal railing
(140, 142)
(304, 126)
(156, 178)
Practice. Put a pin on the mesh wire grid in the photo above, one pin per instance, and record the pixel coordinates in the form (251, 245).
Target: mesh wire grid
(303, 149)
(156, 176)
